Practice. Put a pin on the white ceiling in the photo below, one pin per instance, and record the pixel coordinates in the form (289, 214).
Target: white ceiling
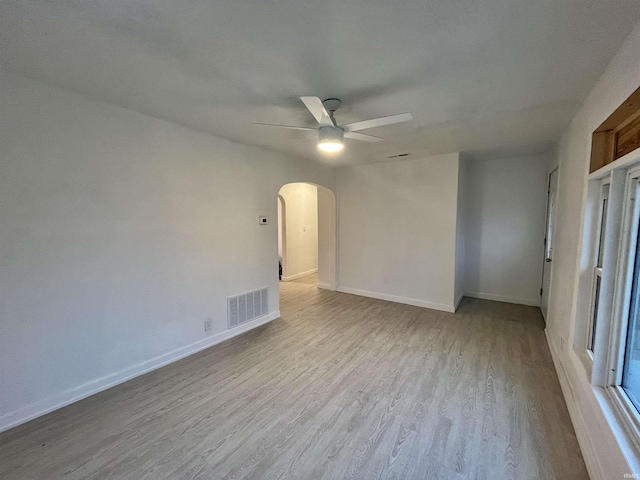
(478, 75)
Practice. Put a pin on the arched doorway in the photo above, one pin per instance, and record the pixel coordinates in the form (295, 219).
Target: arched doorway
(297, 222)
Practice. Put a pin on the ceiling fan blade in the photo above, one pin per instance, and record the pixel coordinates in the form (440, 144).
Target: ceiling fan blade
(362, 136)
(377, 122)
(284, 126)
(315, 106)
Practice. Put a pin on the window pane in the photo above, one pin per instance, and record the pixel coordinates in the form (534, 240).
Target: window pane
(631, 371)
(596, 296)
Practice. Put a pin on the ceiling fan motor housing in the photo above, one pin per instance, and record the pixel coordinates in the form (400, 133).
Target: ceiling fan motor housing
(330, 134)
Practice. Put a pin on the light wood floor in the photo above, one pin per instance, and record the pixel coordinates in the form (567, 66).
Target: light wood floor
(340, 387)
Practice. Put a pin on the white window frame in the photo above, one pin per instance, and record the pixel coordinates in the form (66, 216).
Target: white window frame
(619, 322)
(606, 366)
(597, 262)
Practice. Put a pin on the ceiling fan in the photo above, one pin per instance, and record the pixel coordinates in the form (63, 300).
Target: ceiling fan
(330, 134)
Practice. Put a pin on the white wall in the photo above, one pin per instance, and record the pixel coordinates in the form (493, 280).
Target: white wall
(505, 224)
(326, 239)
(119, 235)
(604, 455)
(397, 230)
(301, 226)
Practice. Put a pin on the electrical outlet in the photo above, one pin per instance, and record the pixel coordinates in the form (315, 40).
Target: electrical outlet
(561, 344)
(207, 325)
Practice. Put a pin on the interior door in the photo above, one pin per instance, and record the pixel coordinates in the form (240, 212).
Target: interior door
(552, 195)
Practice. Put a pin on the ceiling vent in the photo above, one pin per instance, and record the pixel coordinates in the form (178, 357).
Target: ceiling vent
(400, 155)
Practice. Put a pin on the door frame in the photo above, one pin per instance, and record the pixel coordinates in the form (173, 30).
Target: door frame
(548, 260)
(282, 232)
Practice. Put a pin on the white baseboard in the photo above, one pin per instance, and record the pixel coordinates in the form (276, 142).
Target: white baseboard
(326, 286)
(393, 298)
(503, 298)
(298, 275)
(586, 446)
(35, 410)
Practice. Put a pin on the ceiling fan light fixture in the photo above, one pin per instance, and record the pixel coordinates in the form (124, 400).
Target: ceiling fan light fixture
(330, 146)
(330, 139)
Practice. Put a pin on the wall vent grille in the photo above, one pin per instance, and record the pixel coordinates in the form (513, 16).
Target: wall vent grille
(400, 155)
(247, 306)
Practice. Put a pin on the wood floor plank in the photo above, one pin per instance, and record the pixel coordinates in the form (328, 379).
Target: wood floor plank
(340, 387)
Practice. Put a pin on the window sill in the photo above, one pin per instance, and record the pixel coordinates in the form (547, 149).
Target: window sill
(624, 426)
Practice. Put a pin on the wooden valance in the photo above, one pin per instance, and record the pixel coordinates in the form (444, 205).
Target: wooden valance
(618, 135)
